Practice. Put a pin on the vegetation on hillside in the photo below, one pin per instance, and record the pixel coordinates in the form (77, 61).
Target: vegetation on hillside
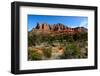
(74, 46)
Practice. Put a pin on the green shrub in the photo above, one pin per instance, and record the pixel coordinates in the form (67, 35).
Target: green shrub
(34, 55)
(47, 52)
(72, 51)
(32, 40)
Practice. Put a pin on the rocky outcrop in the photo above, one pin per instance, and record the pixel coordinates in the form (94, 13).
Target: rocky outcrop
(43, 26)
(54, 27)
(59, 28)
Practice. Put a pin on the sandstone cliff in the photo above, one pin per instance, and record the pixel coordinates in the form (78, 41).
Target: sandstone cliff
(44, 27)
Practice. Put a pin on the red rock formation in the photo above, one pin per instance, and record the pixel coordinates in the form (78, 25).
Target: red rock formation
(43, 26)
(60, 28)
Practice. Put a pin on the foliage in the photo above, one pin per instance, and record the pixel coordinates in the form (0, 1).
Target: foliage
(80, 37)
(71, 51)
(38, 39)
(47, 52)
(32, 39)
(34, 55)
(72, 45)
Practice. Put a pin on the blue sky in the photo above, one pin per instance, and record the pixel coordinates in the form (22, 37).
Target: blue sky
(70, 21)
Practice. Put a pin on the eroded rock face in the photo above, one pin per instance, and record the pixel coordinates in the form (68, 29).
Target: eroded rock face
(54, 27)
(43, 26)
(59, 27)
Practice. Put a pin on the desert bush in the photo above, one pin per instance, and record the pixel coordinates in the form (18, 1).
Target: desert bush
(84, 36)
(76, 37)
(47, 52)
(72, 51)
(32, 40)
(34, 55)
(80, 37)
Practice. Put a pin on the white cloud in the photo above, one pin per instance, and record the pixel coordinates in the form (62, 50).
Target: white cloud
(83, 24)
(73, 26)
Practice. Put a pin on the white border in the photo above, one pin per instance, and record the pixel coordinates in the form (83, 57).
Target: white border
(26, 65)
